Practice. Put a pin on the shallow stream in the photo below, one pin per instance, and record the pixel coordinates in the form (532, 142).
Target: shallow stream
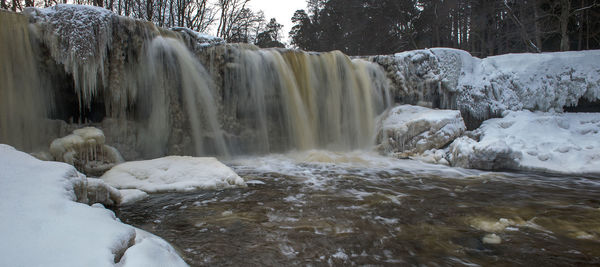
(323, 208)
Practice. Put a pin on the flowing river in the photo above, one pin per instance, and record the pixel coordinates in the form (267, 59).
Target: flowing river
(320, 208)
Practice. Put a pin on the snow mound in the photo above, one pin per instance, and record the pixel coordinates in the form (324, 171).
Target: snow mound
(408, 130)
(484, 88)
(552, 142)
(151, 251)
(85, 149)
(42, 225)
(174, 173)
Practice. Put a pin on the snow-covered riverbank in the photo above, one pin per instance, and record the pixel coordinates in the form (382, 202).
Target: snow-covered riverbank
(44, 225)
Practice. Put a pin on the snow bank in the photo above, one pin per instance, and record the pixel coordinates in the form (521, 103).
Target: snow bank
(85, 149)
(484, 88)
(174, 173)
(42, 225)
(409, 130)
(553, 142)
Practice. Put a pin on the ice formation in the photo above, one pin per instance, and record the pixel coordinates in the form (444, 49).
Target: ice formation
(407, 130)
(524, 140)
(484, 88)
(43, 225)
(171, 174)
(85, 149)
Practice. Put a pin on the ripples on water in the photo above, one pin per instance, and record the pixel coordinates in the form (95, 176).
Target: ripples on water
(324, 208)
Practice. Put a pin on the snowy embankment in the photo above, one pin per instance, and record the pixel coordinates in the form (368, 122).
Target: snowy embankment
(173, 174)
(567, 143)
(484, 88)
(43, 225)
(553, 142)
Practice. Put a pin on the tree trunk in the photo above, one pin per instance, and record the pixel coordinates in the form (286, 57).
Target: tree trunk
(565, 9)
(537, 31)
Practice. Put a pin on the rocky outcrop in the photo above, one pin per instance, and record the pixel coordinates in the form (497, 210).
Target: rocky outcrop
(467, 153)
(411, 130)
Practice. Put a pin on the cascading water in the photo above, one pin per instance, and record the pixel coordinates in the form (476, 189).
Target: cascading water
(150, 95)
(175, 76)
(23, 104)
(287, 99)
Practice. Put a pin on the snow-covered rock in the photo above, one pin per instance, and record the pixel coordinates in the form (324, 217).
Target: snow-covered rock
(484, 88)
(408, 130)
(174, 173)
(496, 155)
(85, 149)
(129, 196)
(43, 225)
(99, 192)
(552, 142)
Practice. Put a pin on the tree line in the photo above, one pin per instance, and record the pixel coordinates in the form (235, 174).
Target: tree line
(233, 20)
(482, 27)
(369, 27)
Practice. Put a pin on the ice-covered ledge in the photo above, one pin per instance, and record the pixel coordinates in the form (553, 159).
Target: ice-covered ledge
(43, 225)
(484, 88)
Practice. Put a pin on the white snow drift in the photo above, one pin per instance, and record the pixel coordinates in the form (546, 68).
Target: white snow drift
(174, 173)
(412, 130)
(42, 225)
(554, 142)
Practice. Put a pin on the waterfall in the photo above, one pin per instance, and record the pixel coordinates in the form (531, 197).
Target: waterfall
(175, 76)
(24, 101)
(152, 97)
(287, 99)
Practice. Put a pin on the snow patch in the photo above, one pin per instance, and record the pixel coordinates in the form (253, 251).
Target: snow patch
(174, 173)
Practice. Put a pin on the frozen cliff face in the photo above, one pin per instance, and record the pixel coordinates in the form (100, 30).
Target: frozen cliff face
(410, 130)
(140, 83)
(484, 88)
(86, 150)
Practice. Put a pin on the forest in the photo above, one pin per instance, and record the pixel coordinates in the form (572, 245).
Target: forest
(370, 27)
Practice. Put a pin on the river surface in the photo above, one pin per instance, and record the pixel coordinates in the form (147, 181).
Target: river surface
(321, 208)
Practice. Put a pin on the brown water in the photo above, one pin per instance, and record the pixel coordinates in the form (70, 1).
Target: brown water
(321, 208)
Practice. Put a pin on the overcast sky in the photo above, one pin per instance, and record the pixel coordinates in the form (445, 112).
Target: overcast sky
(281, 10)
